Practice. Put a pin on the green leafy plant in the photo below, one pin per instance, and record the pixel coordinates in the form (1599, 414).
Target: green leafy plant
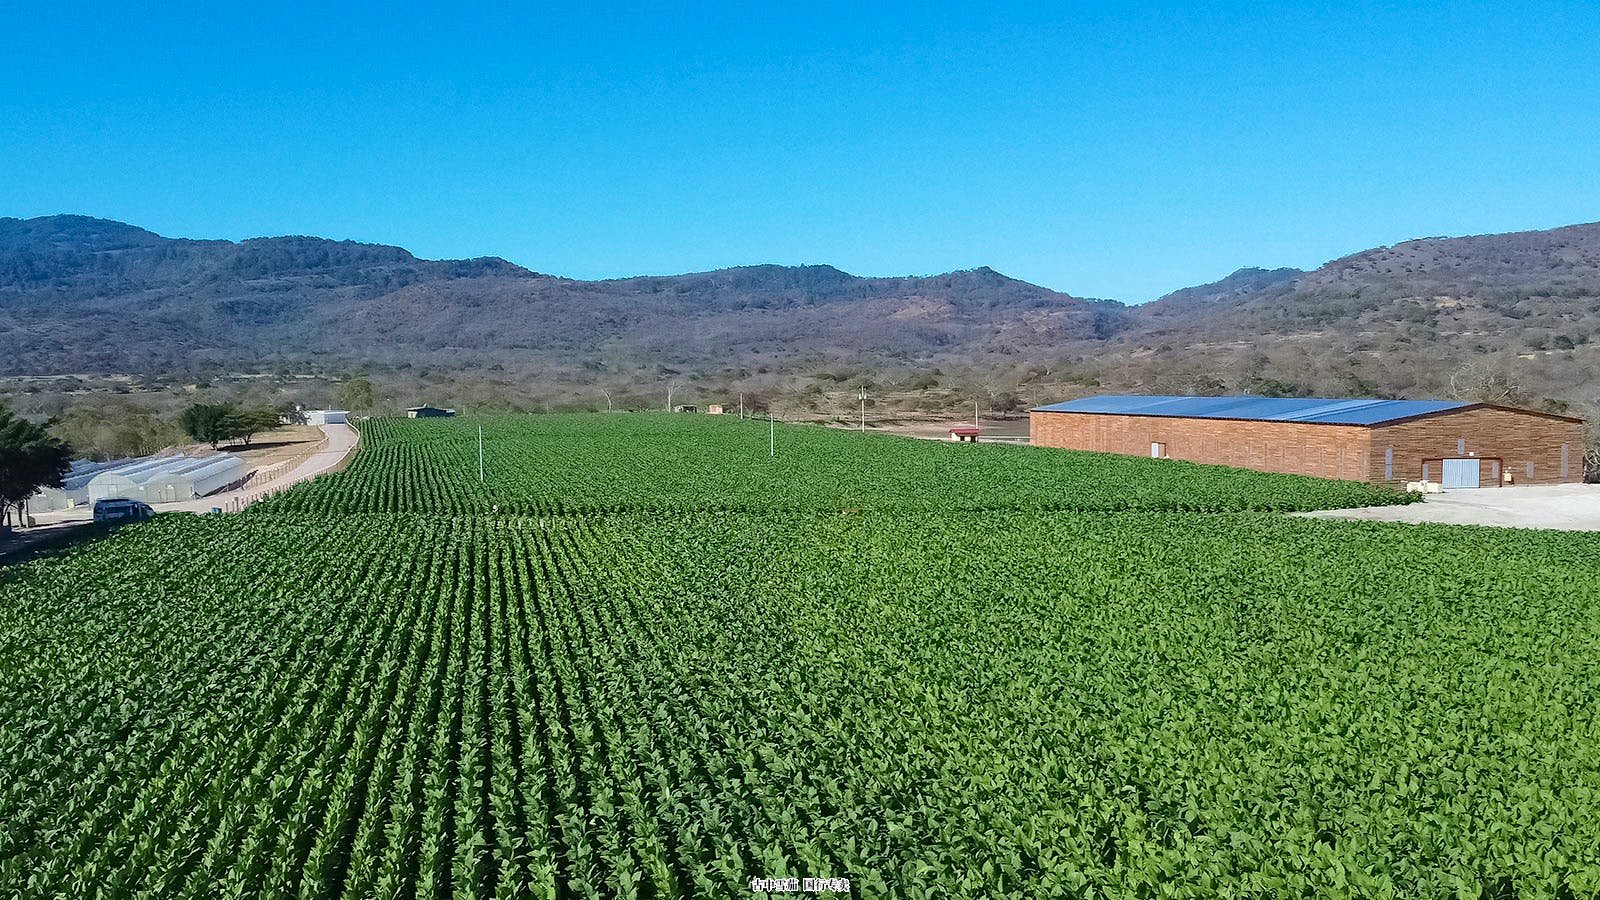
(645, 685)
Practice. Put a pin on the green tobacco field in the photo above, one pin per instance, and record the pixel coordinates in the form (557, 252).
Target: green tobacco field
(642, 462)
(646, 660)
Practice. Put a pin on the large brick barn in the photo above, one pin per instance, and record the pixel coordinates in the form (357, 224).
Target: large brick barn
(1458, 444)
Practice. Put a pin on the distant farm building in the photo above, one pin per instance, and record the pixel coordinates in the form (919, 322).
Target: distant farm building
(428, 412)
(1461, 445)
(714, 409)
(686, 409)
(965, 433)
(326, 417)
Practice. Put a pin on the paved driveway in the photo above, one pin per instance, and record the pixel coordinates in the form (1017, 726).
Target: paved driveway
(1569, 507)
(341, 442)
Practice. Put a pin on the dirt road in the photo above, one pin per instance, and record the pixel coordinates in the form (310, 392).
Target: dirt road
(23, 543)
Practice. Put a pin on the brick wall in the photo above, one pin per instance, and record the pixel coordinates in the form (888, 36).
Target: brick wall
(1514, 438)
(1326, 451)
(1352, 452)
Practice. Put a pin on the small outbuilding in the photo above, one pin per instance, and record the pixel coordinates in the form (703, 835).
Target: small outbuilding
(428, 412)
(326, 416)
(714, 409)
(965, 433)
(1456, 444)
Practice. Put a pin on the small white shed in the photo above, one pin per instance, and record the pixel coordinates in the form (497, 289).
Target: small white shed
(327, 416)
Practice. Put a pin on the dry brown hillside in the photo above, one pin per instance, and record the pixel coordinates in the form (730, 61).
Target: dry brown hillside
(81, 295)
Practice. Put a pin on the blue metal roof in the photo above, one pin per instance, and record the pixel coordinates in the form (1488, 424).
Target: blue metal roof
(1262, 409)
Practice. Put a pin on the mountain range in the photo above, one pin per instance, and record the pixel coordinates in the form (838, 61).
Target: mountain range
(92, 296)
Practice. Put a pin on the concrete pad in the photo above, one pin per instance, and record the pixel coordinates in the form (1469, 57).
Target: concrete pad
(1566, 507)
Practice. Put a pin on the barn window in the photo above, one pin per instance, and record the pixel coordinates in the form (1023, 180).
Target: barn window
(1530, 471)
(1461, 445)
(1388, 464)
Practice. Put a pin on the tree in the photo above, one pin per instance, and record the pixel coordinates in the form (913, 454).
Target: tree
(355, 394)
(209, 422)
(243, 424)
(218, 422)
(1591, 449)
(1481, 382)
(30, 458)
(1591, 456)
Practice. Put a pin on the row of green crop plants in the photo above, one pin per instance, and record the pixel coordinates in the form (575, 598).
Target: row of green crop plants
(931, 705)
(667, 463)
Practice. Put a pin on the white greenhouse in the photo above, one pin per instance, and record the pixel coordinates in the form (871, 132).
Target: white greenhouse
(204, 476)
(74, 490)
(166, 479)
(124, 482)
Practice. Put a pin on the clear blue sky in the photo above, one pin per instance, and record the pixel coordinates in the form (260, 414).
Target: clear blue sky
(1104, 150)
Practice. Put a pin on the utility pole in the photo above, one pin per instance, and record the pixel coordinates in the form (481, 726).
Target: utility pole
(741, 406)
(669, 396)
(772, 431)
(975, 414)
(863, 409)
(480, 454)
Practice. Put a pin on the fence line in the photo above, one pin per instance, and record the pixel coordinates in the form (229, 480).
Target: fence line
(261, 476)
